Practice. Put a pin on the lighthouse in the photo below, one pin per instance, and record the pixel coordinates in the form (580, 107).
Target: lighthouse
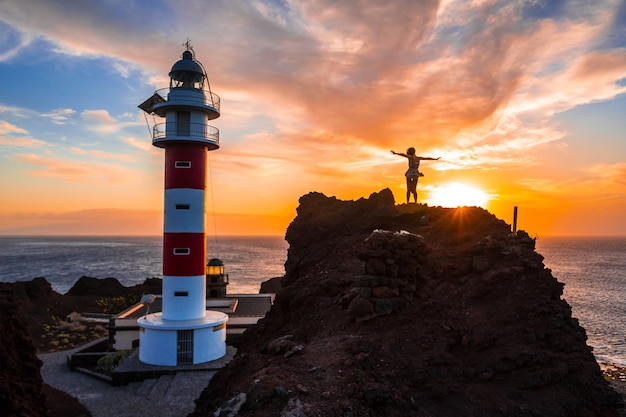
(184, 332)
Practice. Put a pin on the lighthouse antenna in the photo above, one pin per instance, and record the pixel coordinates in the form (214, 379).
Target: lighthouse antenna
(188, 47)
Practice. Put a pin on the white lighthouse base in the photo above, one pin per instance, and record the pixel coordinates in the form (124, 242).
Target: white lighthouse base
(182, 342)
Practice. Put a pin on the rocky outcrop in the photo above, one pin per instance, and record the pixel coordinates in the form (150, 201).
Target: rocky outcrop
(411, 310)
(271, 286)
(111, 287)
(21, 386)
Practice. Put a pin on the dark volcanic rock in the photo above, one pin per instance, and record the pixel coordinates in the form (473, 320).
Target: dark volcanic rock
(272, 285)
(21, 386)
(412, 310)
(111, 287)
(105, 287)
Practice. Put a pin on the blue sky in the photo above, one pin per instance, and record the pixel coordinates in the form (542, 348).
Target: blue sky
(523, 101)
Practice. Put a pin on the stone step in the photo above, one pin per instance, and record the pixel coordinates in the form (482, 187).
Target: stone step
(145, 387)
(159, 391)
(155, 389)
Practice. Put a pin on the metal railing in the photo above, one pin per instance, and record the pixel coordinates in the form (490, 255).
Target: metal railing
(191, 95)
(173, 130)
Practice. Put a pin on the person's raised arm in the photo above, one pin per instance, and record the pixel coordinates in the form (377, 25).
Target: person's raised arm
(427, 158)
(399, 153)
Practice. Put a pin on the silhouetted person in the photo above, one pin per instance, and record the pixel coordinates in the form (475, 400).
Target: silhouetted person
(413, 173)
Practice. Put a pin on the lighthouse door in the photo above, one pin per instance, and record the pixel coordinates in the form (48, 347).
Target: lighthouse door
(184, 347)
(183, 123)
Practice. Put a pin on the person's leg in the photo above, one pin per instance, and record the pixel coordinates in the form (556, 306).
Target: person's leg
(408, 189)
(411, 183)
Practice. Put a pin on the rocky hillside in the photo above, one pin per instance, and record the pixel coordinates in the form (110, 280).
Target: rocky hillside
(411, 311)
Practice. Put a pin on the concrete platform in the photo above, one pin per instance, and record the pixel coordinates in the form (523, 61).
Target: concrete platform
(243, 310)
(133, 370)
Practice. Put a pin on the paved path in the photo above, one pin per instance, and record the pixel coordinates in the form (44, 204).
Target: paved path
(169, 395)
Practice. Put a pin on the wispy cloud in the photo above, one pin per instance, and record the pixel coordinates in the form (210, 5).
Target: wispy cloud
(12, 41)
(97, 116)
(21, 142)
(608, 172)
(100, 121)
(6, 127)
(73, 171)
(59, 116)
(144, 145)
(102, 154)
(17, 141)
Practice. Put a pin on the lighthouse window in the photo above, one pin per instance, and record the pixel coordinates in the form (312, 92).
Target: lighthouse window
(182, 206)
(181, 293)
(181, 251)
(182, 164)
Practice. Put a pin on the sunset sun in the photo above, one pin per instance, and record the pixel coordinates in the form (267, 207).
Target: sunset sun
(456, 195)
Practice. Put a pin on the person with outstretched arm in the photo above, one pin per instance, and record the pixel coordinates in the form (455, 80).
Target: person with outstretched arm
(413, 173)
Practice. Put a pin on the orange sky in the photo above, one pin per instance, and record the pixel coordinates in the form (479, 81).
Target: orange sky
(522, 101)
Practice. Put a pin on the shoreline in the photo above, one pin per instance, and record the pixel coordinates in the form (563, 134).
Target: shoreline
(613, 371)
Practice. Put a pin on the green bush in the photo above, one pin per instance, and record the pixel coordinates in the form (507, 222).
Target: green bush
(113, 360)
(112, 305)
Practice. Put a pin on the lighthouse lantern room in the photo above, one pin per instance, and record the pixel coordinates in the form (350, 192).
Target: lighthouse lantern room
(185, 332)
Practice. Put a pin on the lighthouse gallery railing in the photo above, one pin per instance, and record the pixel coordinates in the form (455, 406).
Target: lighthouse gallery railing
(173, 130)
(191, 95)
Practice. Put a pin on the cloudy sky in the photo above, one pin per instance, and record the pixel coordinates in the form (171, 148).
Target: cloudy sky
(524, 101)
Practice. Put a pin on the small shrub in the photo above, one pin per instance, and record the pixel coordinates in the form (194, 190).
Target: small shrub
(113, 360)
(111, 305)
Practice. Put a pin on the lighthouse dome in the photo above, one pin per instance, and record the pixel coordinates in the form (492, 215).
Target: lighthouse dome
(187, 72)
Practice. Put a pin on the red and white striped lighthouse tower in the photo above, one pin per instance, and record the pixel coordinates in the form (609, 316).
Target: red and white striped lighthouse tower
(184, 332)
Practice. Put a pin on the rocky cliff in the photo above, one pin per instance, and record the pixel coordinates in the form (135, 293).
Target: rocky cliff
(411, 310)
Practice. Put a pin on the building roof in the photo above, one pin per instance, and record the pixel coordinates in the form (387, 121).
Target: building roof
(235, 305)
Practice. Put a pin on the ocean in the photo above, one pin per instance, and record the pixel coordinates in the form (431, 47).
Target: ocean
(592, 269)
(248, 261)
